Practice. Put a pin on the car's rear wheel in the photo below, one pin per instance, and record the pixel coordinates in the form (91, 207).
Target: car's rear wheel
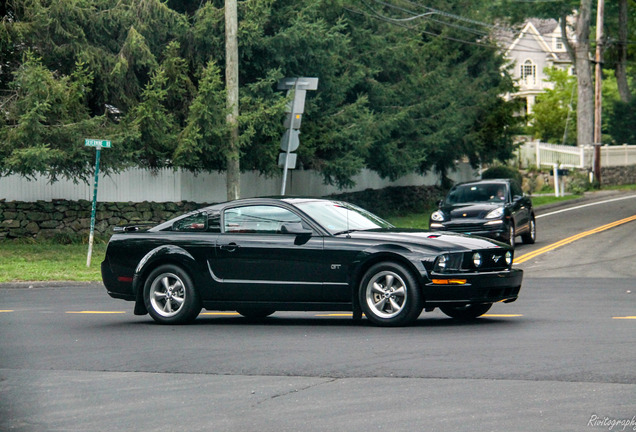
(531, 236)
(256, 313)
(467, 312)
(170, 296)
(389, 295)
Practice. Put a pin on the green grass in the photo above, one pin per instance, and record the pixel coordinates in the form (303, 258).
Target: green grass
(412, 220)
(49, 262)
(543, 200)
(621, 187)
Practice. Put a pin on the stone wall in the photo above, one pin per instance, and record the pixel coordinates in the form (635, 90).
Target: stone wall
(619, 175)
(48, 219)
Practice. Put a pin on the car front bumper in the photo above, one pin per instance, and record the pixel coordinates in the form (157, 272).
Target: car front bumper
(463, 288)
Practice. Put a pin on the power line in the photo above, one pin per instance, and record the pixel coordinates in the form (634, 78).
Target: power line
(431, 11)
(381, 17)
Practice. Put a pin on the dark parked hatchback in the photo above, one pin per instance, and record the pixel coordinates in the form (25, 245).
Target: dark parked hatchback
(496, 209)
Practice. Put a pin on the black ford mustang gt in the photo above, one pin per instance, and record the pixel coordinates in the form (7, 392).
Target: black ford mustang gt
(257, 256)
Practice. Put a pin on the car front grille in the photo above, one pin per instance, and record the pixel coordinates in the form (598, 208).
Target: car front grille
(467, 228)
(491, 260)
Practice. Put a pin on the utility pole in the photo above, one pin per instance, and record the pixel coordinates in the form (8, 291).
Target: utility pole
(598, 90)
(233, 174)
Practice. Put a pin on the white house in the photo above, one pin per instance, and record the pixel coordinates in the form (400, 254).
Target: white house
(537, 46)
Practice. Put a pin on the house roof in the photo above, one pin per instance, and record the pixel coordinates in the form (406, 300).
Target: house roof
(545, 27)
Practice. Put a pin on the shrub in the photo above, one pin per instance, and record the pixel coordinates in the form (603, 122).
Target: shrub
(502, 172)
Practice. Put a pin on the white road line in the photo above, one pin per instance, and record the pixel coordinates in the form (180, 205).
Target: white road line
(585, 205)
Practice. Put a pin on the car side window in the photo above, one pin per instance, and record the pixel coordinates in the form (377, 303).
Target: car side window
(195, 222)
(257, 219)
(516, 190)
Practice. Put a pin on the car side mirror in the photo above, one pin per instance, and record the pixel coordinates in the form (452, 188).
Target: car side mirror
(295, 228)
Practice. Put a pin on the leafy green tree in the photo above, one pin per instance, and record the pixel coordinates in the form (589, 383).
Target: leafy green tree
(150, 130)
(393, 97)
(201, 142)
(45, 122)
(622, 125)
(554, 113)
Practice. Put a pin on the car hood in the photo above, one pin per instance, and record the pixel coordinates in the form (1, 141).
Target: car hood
(438, 241)
(470, 210)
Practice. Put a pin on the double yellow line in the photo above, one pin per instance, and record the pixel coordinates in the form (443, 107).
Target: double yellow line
(533, 254)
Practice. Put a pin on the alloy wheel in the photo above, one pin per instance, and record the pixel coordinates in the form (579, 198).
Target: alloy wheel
(167, 294)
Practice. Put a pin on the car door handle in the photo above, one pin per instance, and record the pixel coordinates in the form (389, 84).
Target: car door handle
(229, 247)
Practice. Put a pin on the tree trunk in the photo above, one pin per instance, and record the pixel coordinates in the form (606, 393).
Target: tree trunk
(233, 174)
(621, 70)
(585, 105)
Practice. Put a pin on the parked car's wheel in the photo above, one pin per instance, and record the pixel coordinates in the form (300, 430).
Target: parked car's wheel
(170, 296)
(256, 313)
(531, 236)
(467, 312)
(389, 295)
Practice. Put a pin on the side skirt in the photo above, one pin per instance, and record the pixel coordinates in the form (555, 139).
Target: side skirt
(279, 306)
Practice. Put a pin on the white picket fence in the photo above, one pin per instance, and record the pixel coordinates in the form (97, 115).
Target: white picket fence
(137, 185)
(538, 154)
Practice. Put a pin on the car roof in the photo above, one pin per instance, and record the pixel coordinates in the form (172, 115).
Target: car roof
(242, 202)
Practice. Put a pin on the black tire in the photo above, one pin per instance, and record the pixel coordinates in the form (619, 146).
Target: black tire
(256, 313)
(511, 234)
(531, 236)
(468, 312)
(389, 295)
(170, 296)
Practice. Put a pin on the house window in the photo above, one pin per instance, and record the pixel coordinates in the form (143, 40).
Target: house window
(558, 43)
(529, 72)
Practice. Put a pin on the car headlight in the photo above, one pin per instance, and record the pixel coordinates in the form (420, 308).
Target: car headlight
(496, 213)
(508, 257)
(449, 262)
(442, 261)
(437, 216)
(477, 259)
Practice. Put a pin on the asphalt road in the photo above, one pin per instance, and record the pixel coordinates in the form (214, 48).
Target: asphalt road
(560, 358)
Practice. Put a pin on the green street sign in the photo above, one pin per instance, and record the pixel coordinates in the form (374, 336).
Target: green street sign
(96, 143)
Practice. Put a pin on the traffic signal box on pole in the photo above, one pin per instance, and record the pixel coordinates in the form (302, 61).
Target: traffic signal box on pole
(295, 109)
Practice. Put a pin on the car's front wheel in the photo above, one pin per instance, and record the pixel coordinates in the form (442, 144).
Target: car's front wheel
(511, 235)
(389, 295)
(531, 236)
(467, 312)
(170, 296)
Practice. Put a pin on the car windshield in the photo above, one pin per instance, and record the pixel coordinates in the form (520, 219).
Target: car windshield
(474, 193)
(340, 217)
